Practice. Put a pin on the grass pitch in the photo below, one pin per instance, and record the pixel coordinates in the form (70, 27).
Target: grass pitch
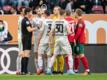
(54, 77)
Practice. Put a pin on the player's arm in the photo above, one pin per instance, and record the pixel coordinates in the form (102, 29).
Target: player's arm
(30, 29)
(79, 30)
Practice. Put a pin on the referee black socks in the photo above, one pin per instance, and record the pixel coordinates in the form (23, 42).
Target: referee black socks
(24, 65)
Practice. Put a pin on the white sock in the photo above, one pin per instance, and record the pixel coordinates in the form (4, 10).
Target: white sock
(40, 61)
(18, 63)
(48, 61)
(51, 61)
(70, 61)
(36, 63)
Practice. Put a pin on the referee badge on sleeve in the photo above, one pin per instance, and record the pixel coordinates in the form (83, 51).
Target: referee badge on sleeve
(27, 22)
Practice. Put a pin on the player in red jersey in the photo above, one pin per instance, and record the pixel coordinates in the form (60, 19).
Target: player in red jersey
(80, 42)
(71, 22)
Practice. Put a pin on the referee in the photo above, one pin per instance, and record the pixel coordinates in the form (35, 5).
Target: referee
(26, 30)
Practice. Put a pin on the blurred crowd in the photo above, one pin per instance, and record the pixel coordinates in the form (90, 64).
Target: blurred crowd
(88, 6)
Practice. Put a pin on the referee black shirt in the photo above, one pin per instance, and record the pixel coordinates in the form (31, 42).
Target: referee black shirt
(26, 35)
(26, 23)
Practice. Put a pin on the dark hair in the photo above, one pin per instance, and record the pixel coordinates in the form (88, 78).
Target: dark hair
(27, 10)
(62, 12)
(46, 12)
(21, 9)
(1, 21)
(68, 13)
(38, 7)
(79, 12)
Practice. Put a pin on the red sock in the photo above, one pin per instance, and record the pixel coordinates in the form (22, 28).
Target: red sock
(66, 60)
(85, 63)
(76, 63)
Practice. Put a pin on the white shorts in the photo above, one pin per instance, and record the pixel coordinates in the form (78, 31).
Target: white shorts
(62, 46)
(20, 43)
(44, 49)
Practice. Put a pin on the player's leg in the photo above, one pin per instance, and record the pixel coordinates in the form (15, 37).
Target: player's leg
(49, 55)
(56, 51)
(18, 62)
(68, 51)
(41, 50)
(20, 54)
(76, 59)
(83, 58)
(36, 51)
(66, 58)
(55, 66)
(26, 59)
(76, 63)
(61, 64)
(26, 51)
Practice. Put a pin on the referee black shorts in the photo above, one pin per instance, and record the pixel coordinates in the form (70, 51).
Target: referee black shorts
(26, 43)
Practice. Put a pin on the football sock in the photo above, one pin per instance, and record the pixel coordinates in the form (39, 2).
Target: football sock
(85, 63)
(66, 60)
(76, 63)
(61, 62)
(40, 61)
(55, 65)
(18, 62)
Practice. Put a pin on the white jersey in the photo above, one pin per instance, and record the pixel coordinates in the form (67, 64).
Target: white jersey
(37, 22)
(19, 32)
(61, 40)
(60, 27)
(19, 25)
(44, 42)
(46, 28)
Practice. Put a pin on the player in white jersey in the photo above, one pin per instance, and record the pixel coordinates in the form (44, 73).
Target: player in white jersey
(61, 29)
(37, 22)
(44, 42)
(18, 62)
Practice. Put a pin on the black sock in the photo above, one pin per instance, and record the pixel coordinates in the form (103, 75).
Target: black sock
(26, 64)
(22, 65)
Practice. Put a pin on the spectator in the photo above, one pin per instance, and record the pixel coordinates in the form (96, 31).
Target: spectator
(13, 11)
(23, 3)
(63, 3)
(2, 3)
(14, 3)
(70, 6)
(85, 5)
(31, 4)
(104, 4)
(5, 36)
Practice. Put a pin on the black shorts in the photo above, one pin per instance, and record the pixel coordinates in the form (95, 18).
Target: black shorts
(26, 43)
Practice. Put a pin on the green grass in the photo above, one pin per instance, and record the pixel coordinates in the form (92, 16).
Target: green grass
(55, 77)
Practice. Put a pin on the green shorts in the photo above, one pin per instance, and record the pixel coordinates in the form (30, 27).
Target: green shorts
(73, 47)
(79, 49)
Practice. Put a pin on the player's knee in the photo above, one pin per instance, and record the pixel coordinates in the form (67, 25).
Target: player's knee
(81, 55)
(27, 53)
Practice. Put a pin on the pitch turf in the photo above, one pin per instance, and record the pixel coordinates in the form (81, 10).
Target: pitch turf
(55, 77)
